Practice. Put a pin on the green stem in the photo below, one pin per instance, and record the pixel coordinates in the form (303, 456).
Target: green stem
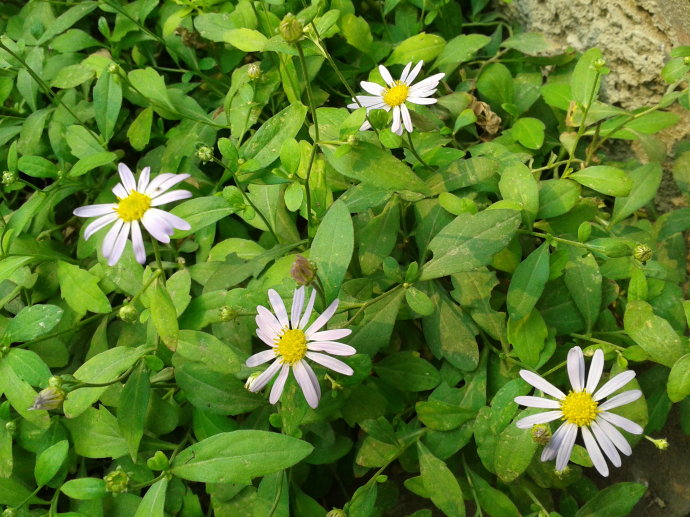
(371, 302)
(583, 126)
(157, 254)
(598, 341)
(415, 153)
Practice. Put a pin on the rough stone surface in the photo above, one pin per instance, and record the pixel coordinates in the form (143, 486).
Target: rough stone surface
(635, 37)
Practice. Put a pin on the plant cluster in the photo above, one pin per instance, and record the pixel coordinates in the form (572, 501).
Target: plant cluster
(328, 248)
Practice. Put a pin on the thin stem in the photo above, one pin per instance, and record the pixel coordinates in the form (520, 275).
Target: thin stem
(598, 341)
(583, 126)
(414, 151)
(157, 254)
(312, 107)
(371, 302)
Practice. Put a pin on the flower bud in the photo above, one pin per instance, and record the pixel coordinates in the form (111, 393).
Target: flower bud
(49, 398)
(55, 382)
(660, 443)
(291, 29)
(9, 512)
(254, 71)
(642, 253)
(227, 313)
(303, 271)
(11, 427)
(250, 380)
(204, 153)
(599, 63)
(128, 313)
(336, 512)
(9, 177)
(158, 461)
(541, 434)
(116, 481)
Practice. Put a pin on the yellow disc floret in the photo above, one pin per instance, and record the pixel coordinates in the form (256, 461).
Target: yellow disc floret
(396, 95)
(133, 207)
(579, 408)
(291, 346)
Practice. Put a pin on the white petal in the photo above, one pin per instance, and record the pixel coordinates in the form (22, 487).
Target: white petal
(621, 399)
(278, 308)
(616, 437)
(279, 384)
(538, 402)
(422, 92)
(127, 178)
(99, 223)
(138, 243)
(405, 72)
(614, 384)
(168, 183)
(622, 422)
(399, 131)
(95, 210)
(539, 418)
(172, 220)
(260, 358)
(395, 126)
(330, 362)
(542, 384)
(297, 306)
(119, 245)
(154, 185)
(267, 338)
(595, 369)
(157, 227)
(421, 100)
(306, 383)
(265, 376)
(366, 125)
(169, 197)
(312, 376)
(331, 347)
(120, 191)
(549, 452)
(415, 72)
(307, 312)
(366, 101)
(111, 237)
(144, 179)
(386, 75)
(429, 82)
(576, 368)
(322, 320)
(267, 321)
(330, 335)
(407, 121)
(373, 88)
(566, 447)
(606, 444)
(595, 452)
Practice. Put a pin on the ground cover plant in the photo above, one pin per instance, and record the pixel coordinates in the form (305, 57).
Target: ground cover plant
(271, 258)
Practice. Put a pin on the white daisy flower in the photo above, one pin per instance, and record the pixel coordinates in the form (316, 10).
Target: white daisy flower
(135, 204)
(395, 94)
(291, 344)
(583, 408)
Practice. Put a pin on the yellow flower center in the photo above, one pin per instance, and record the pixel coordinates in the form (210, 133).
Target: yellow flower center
(579, 408)
(396, 95)
(133, 207)
(291, 346)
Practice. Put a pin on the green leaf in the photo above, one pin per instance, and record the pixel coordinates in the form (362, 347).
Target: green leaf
(356, 31)
(528, 283)
(495, 84)
(37, 167)
(71, 76)
(21, 395)
(208, 349)
(263, 148)
(32, 322)
(91, 162)
(50, 461)
(529, 132)
(151, 85)
(247, 40)
(139, 131)
(134, 405)
(653, 333)
(470, 241)
(95, 434)
(107, 100)
(583, 278)
(442, 416)
(584, 83)
(109, 365)
(80, 289)
(528, 336)
(678, 386)
(200, 212)
(645, 183)
(614, 501)
(84, 488)
(557, 197)
(239, 456)
(419, 302)
(153, 503)
(66, 20)
(163, 314)
(530, 43)
(460, 49)
(407, 371)
(514, 451)
(424, 47)
(374, 166)
(605, 179)
(440, 483)
(363, 502)
(374, 332)
(377, 239)
(493, 501)
(28, 366)
(13, 492)
(517, 183)
(332, 248)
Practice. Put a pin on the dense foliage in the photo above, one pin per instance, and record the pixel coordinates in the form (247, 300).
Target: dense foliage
(492, 238)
